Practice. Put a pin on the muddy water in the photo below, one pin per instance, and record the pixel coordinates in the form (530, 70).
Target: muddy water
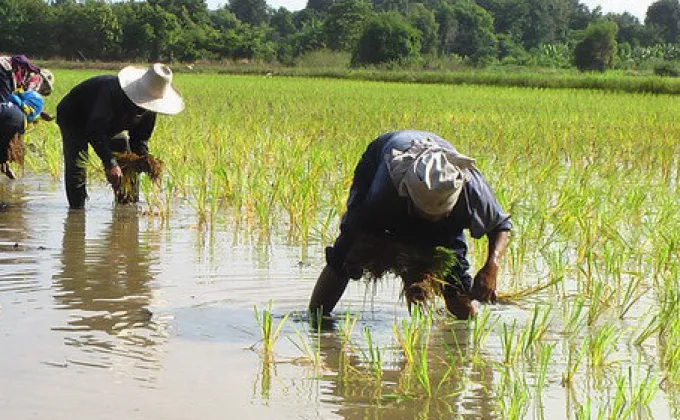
(112, 314)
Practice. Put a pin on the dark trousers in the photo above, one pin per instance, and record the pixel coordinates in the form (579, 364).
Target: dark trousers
(75, 147)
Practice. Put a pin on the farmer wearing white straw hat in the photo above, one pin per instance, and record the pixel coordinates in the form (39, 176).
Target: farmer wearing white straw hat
(98, 109)
(414, 188)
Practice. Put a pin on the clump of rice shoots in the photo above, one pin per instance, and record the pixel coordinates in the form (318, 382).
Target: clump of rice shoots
(132, 164)
(421, 267)
(15, 153)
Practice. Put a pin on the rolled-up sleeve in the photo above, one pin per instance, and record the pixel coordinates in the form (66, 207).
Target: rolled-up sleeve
(486, 214)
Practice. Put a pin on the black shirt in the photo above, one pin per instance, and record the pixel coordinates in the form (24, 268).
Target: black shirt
(97, 109)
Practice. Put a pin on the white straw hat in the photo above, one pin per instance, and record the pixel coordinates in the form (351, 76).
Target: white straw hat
(151, 88)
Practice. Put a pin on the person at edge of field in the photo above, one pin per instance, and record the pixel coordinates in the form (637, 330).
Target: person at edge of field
(19, 74)
(99, 109)
(413, 185)
(15, 114)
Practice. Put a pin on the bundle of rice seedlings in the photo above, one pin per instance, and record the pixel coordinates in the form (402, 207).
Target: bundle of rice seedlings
(15, 149)
(15, 153)
(421, 267)
(131, 164)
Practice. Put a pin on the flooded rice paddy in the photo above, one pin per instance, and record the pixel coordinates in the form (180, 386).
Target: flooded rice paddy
(112, 313)
(148, 312)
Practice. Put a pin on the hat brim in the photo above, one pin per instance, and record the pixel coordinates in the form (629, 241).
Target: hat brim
(170, 104)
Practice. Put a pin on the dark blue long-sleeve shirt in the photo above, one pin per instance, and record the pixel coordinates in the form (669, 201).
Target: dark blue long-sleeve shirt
(374, 204)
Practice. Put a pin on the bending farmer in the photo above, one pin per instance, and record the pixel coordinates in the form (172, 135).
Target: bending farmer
(15, 114)
(98, 109)
(414, 187)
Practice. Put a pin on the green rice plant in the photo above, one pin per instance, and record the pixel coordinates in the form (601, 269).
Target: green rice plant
(573, 319)
(311, 352)
(601, 343)
(545, 359)
(513, 395)
(599, 302)
(481, 326)
(651, 327)
(373, 356)
(510, 343)
(634, 290)
(575, 355)
(269, 332)
(412, 332)
(537, 328)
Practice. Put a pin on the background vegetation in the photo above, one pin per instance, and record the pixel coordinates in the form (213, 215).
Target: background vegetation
(427, 34)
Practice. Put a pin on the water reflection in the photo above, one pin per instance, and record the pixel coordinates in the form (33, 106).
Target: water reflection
(464, 391)
(18, 273)
(105, 284)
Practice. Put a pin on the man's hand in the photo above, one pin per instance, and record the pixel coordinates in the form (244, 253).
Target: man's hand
(115, 176)
(484, 286)
(45, 116)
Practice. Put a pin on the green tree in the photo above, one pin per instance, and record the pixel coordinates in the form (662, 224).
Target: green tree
(319, 6)
(598, 48)
(466, 29)
(387, 37)
(253, 12)
(282, 22)
(665, 15)
(631, 30)
(424, 21)
(547, 22)
(309, 37)
(509, 16)
(88, 31)
(193, 10)
(345, 23)
(138, 35)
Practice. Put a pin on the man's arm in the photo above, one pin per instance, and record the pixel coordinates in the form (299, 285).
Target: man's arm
(364, 173)
(141, 133)
(484, 286)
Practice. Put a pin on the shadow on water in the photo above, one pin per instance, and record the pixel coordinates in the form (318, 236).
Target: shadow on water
(104, 283)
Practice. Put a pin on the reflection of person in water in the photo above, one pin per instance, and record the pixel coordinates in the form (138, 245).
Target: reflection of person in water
(105, 279)
(354, 396)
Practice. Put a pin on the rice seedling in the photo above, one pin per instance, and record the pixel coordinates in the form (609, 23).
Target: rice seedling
(481, 327)
(311, 352)
(601, 343)
(373, 356)
(269, 332)
(536, 329)
(513, 395)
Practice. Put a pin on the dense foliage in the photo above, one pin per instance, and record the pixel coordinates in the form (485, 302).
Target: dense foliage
(476, 32)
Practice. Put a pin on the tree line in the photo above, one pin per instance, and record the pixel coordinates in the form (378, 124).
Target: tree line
(478, 32)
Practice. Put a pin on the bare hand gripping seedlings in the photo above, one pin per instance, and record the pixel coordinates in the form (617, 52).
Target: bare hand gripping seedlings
(412, 197)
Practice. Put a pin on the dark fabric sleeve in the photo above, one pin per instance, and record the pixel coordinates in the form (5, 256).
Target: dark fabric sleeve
(141, 132)
(364, 174)
(486, 214)
(98, 124)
